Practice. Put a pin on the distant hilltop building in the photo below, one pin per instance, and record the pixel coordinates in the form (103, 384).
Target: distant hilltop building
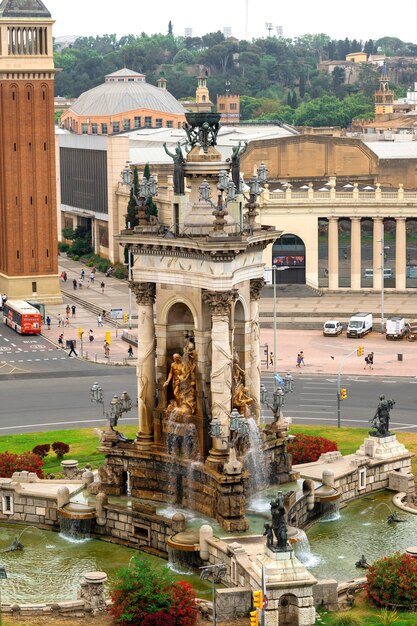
(228, 105)
(125, 101)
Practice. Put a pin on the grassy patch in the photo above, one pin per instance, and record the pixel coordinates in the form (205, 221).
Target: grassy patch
(350, 439)
(366, 614)
(83, 444)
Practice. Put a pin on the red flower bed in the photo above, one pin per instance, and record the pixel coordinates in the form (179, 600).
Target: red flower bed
(28, 461)
(307, 448)
(183, 604)
(392, 581)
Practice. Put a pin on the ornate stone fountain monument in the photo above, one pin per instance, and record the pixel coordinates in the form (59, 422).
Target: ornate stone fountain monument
(197, 276)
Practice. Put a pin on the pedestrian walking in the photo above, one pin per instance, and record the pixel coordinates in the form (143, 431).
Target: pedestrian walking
(130, 352)
(298, 360)
(67, 322)
(72, 349)
(48, 322)
(67, 310)
(106, 350)
(92, 276)
(65, 277)
(61, 340)
(90, 335)
(302, 357)
(73, 310)
(59, 320)
(102, 286)
(80, 283)
(369, 360)
(99, 321)
(271, 358)
(74, 284)
(82, 274)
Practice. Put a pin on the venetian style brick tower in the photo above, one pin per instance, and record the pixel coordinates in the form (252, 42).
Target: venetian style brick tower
(28, 232)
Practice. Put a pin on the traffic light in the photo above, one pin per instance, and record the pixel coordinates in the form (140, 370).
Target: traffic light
(258, 600)
(360, 350)
(253, 618)
(343, 393)
(80, 332)
(125, 318)
(108, 337)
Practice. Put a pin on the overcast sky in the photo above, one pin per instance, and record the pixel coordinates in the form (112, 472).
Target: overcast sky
(360, 19)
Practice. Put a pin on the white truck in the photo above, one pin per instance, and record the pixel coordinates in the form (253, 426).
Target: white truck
(360, 324)
(396, 328)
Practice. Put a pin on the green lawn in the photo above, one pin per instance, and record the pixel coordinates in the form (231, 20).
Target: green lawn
(366, 615)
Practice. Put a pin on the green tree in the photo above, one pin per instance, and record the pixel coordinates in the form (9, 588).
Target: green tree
(170, 28)
(131, 216)
(151, 209)
(183, 56)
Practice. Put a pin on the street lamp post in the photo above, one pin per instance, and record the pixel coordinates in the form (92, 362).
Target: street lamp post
(383, 248)
(217, 572)
(118, 404)
(278, 398)
(273, 269)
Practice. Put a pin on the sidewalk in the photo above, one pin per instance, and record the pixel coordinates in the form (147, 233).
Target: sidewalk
(115, 296)
(318, 350)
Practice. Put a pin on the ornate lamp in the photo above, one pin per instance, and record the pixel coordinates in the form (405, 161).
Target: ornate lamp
(127, 175)
(96, 394)
(231, 191)
(205, 191)
(263, 173)
(126, 402)
(223, 180)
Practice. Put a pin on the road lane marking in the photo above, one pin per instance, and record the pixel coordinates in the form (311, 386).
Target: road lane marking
(86, 421)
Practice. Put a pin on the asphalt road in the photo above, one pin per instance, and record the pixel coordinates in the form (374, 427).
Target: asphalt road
(41, 388)
(314, 400)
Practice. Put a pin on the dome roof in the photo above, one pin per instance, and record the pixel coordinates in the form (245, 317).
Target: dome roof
(125, 91)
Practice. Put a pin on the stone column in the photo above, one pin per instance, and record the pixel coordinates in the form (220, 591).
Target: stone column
(145, 369)
(400, 253)
(355, 253)
(377, 253)
(221, 367)
(255, 357)
(333, 241)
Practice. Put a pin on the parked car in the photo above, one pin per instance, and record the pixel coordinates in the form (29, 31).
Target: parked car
(411, 271)
(388, 273)
(332, 327)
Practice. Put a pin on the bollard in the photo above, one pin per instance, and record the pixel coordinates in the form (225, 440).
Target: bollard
(399, 356)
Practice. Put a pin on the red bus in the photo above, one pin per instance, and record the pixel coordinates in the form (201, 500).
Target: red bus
(22, 317)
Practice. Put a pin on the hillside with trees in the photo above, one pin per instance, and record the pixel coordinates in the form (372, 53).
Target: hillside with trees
(277, 78)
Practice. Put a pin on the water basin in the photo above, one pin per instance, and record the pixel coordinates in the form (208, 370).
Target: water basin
(49, 567)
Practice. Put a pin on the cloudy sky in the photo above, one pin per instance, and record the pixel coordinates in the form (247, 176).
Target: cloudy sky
(360, 19)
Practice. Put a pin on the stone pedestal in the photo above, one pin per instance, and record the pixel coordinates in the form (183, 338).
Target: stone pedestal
(92, 592)
(289, 588)
(383, 448)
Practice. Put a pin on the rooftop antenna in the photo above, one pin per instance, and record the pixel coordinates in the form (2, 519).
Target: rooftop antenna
(269, 27)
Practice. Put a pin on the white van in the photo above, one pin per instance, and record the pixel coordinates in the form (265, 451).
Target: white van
(360, 324)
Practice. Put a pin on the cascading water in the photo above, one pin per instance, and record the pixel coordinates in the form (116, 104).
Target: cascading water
(254, 459)
(75, 529)
(332, 512)
(303, 551)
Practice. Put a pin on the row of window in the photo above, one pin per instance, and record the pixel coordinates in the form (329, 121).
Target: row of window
(117, 127)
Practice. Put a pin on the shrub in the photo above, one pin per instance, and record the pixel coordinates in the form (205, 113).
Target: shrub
(346, 620)
(159, 619)
(27, 461)
(60, 448)
(392, 581)
(63, 247)
(308, 448)
(183, 604)
(120, 271)
(41, 450)
(142, 590)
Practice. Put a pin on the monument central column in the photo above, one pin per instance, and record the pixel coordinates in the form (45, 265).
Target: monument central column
(255, 356)
(145, 369)
(220, 303)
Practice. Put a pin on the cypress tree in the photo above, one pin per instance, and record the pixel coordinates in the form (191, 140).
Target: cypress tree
(152, 209)
(131, 215)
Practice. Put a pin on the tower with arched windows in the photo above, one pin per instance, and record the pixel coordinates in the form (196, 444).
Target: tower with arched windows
(28, 233)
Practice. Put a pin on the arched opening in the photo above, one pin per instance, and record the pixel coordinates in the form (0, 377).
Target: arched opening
(289, 251)
(239, 330)
(288, 610)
